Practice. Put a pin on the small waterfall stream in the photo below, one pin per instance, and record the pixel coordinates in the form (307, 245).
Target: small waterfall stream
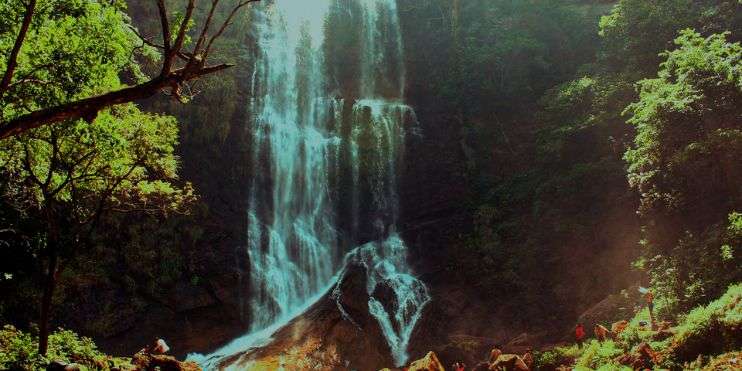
(315, 162)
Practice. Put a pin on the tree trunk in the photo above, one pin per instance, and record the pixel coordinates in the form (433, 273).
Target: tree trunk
(50, 283)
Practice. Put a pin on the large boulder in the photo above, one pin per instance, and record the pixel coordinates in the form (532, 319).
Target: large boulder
(428, 363)
(150, 362)
(62, 366)
(509, 362)
(336, 333)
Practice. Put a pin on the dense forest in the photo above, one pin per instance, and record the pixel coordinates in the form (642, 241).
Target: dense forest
(515, 168)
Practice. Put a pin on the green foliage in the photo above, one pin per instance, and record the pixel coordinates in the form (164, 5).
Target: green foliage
(557, 178)
(63, 58)
(123, 160)
(726, 361)
(551, 359)
(60, 184)
(18, 351)
(705, 331)
(499, 56)
(700, 335)
(709, 330)
(601, 356)
(637, 31)
(685, 164)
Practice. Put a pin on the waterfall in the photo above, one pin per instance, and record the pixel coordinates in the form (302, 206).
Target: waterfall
(292, 240)
(316, 160)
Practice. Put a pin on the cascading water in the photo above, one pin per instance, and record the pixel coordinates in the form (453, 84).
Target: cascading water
(292, 240)
(304, 145)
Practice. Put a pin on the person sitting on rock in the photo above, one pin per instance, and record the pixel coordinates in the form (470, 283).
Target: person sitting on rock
(579, 334)
(495, 354)
(528, 359)
(159, 346)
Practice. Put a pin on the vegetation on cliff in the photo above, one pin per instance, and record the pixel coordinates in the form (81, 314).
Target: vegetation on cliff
(638, 112)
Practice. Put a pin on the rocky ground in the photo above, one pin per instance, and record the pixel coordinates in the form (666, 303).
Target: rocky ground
(707, 338)
(337, 333)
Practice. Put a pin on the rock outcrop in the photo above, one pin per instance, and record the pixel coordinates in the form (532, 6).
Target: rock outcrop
(336, 333)
(498, 362)
(509, 362)
(151, 362)
(428, 363)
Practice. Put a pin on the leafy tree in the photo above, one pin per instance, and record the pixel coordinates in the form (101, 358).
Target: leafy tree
(685, 165)
(67, 177)
(49, 18)
(637, 31)
(557, 179)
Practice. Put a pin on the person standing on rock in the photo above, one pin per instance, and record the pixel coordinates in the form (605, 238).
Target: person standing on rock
(579, 334)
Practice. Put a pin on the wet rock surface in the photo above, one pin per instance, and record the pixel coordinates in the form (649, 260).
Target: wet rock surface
(336, 333)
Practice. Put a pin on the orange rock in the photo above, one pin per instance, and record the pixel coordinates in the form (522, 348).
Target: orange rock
(495, 354)
(509, 362)
(146, 362)
(429, 363)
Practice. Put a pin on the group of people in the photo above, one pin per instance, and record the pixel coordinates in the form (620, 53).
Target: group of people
(601, 333)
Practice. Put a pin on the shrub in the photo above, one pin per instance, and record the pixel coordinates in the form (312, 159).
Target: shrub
(599, 355)
(726, 361)
(551, 359)
(710, 330)
(19, 351)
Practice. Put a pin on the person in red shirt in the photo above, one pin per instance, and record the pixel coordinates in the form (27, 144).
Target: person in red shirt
(579, 334)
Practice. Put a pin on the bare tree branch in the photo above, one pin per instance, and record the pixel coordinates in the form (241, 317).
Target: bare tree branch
(13, 58)
(165, 24)
(205, 30)
(88, 108)
(226, 23)
(179, 39)
(181, 54)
